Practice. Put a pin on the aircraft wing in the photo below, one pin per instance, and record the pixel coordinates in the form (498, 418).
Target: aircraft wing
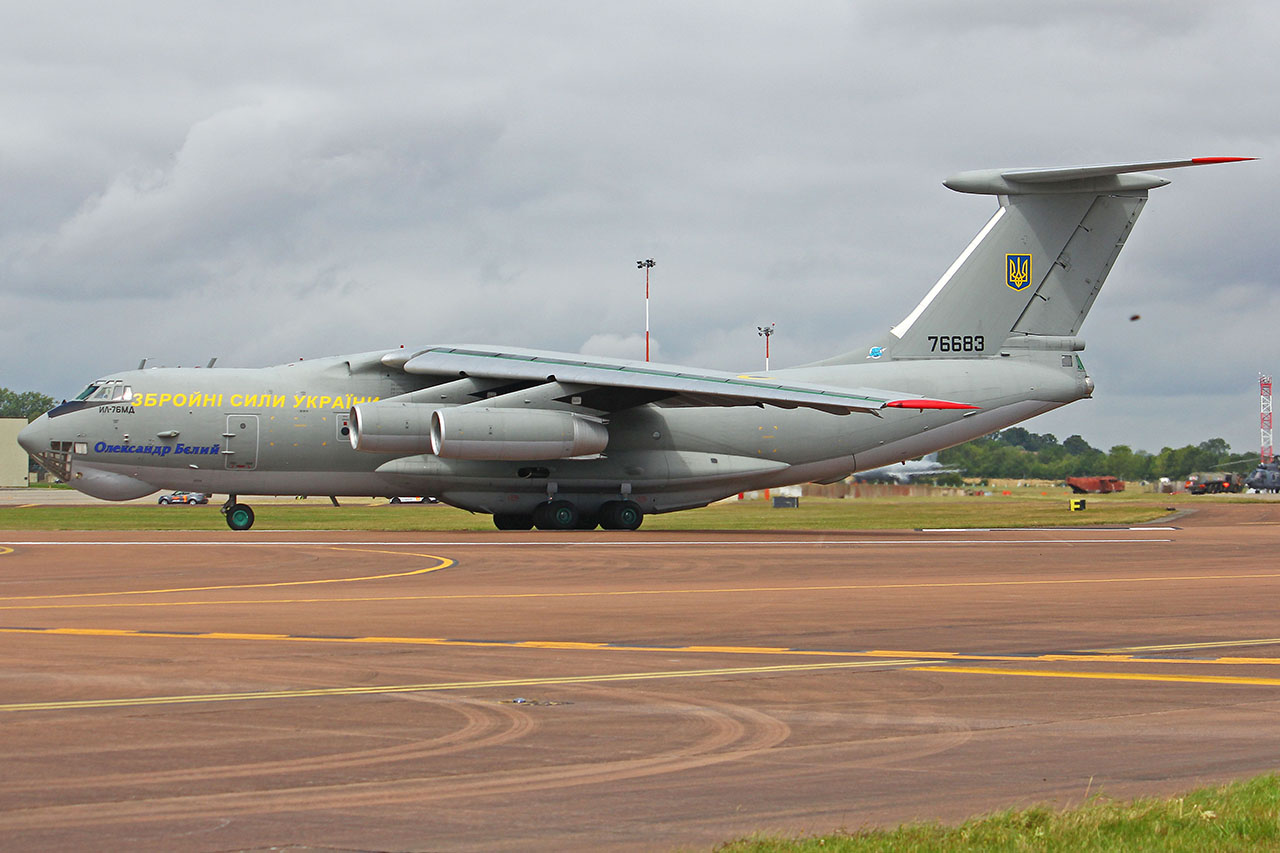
(626, 383)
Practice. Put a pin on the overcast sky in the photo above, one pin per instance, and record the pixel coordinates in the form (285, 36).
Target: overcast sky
(260, 182)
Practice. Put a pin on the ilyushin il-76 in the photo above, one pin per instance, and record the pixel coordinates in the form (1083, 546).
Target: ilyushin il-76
(564, 441)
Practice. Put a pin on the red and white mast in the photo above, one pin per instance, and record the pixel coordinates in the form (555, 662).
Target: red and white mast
(646, 265)
(1268, 449)
(766, 332)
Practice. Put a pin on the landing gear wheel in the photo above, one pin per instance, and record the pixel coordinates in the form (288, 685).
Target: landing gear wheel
(555, 515)
(587, 521)
(239, 517)
(621, 515)
(512, 521)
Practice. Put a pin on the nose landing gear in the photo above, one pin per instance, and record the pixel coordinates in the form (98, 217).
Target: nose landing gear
(239, 516)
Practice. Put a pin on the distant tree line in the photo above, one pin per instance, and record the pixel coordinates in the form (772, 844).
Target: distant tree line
(25, 404)
(1020, 454)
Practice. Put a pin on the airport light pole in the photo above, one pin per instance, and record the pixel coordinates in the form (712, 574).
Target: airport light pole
(766, 332)
(646, 265)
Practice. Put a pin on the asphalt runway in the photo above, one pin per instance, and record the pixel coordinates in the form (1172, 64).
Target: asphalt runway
(648, 691)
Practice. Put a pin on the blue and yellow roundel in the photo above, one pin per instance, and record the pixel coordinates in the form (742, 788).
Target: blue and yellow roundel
(1019, 271)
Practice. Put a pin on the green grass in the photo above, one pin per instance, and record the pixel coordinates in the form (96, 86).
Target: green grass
(905, 512)
(269, 516)
(1240, 816)
(1017, 510)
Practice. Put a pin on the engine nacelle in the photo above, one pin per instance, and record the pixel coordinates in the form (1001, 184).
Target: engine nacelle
(391, 427)
(514, 434)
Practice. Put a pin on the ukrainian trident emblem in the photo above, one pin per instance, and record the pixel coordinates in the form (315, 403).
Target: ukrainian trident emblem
(1019, 271)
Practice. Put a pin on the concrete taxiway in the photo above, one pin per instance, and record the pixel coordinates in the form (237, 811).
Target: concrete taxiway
(504, 691)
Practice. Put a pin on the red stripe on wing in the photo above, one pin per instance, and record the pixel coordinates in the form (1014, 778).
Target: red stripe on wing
(927, 404)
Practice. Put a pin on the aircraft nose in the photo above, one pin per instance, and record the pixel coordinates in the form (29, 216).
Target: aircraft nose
(34, 437)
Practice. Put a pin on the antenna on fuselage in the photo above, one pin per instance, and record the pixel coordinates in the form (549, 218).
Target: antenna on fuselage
(142, 364)
(211, 361)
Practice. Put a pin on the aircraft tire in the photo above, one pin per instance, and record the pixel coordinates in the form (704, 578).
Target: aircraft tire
(240, 517)
(587, 521)
(621, 515)
(555, 515)
(512, 521)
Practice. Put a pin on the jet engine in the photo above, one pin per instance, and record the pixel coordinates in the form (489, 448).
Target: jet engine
(391, 427)
(514, 434)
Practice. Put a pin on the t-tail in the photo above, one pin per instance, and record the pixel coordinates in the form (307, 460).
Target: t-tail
(1031, 275)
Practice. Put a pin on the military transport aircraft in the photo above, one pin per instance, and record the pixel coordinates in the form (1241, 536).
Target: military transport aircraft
(906, 471)
(563, 441)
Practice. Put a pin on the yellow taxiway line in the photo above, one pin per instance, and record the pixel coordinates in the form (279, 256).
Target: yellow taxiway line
(575, 645)
(417, 688)
(1106, 676)
(442, 563)
(579, 594)
(904, 665)
(1215, 644)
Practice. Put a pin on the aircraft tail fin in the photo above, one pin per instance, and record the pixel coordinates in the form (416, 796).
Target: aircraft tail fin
(1037, 265)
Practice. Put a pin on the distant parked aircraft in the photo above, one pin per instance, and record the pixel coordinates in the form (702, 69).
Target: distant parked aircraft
(905, 472)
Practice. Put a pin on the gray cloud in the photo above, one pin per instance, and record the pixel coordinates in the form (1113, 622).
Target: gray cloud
(267, 182)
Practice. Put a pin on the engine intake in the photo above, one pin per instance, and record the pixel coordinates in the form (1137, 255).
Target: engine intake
(391, 427)
(514, 434)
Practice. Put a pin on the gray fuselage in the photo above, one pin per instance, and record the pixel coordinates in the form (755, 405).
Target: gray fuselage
(285, 430)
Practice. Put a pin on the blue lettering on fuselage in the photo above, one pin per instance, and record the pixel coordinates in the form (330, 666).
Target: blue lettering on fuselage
(159, 450)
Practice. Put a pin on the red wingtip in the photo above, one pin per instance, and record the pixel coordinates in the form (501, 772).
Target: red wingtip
(927, 404)
(1199, 161)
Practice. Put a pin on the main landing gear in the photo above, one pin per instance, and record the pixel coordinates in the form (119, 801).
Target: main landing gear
(564, 515)
(239, 516)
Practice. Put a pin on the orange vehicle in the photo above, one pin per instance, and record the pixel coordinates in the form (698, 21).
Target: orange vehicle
(1214, 484)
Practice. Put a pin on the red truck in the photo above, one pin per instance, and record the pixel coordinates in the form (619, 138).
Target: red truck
(1095, 485)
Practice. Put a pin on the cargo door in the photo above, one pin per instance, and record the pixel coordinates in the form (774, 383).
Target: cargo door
(240, 445)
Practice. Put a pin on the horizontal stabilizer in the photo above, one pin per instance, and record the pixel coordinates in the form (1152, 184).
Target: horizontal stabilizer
(1073, 178)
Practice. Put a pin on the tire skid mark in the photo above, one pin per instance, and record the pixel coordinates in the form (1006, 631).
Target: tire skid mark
(724, 733)
(484, 725)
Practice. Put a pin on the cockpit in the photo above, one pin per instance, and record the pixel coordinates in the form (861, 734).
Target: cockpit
(107, 391)
(100, 393)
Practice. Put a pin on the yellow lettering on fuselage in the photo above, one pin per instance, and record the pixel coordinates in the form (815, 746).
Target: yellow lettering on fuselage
(197, 399)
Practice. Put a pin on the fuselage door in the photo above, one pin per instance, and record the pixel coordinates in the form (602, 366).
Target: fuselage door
(240, 447)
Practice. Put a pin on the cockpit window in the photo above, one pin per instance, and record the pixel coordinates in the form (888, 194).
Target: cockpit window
(107, 391)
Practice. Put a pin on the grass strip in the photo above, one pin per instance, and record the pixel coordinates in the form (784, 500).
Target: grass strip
(812, 514)
(1236, 817)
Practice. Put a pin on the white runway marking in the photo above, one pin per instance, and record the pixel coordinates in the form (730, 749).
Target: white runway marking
(1029, 529)
(532, 543)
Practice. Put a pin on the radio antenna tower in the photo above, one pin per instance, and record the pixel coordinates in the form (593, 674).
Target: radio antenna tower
(1268, 449)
